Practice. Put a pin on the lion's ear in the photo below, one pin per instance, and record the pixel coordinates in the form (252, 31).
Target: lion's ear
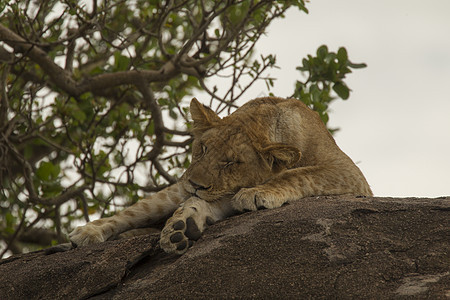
(281, 156)
(203, 116)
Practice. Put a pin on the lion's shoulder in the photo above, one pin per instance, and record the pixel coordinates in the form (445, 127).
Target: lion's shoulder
(284, 120)
(271, 109)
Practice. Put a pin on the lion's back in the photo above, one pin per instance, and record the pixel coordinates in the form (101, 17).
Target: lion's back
(291, 122)
(287, 121)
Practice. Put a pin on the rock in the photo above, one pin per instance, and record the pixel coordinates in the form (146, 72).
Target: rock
(317, 247)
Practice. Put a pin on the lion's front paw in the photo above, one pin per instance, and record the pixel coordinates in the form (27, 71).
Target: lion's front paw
(86, 235)
(251, 199)
(182, 229)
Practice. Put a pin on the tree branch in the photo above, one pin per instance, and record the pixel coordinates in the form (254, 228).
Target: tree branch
(157, 118)
(163, 172)
(64, 197)
(58, 75)
(62, 79)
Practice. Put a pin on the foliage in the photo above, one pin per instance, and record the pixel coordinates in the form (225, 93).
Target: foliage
(326, 73)
(92, 114)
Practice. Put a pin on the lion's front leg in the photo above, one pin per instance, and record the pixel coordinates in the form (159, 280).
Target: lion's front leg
(297, 183)
(286, 186)
(261, 197)
(189, 221)
(143, 213)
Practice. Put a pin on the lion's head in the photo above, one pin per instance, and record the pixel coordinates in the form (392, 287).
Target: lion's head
(232, 153)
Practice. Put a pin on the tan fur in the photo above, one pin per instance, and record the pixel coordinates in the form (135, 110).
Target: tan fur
(270, 151)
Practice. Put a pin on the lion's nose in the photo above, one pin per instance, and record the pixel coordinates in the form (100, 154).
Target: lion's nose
(198, 186)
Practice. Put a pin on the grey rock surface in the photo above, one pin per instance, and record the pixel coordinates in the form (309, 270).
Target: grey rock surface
(318, 247)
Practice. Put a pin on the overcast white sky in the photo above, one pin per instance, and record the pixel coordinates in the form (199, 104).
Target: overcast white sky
(396, 124)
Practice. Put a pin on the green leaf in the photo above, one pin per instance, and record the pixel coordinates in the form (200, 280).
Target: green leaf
(79, 115)
(121, 62)
(173, 114)
(342, 90)
(322, 52)
(47, 171)
(324, 118)
(342, 55)
(73, 109)
(356, 66)
(51, 189)
(28, 151)
(10, 219)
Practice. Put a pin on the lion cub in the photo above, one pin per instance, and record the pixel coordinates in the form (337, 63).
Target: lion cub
(268, 152)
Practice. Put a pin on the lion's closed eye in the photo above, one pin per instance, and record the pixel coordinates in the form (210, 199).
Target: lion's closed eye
(229, 163)
(226, 164)
(199, 152)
